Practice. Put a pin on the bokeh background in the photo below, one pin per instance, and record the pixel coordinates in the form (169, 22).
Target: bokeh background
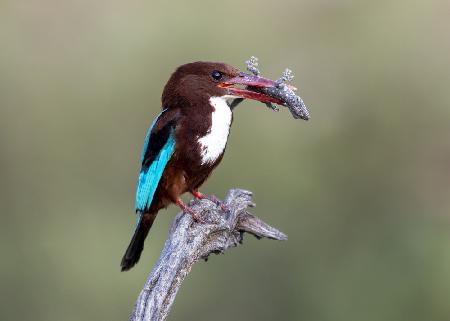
(362, 190)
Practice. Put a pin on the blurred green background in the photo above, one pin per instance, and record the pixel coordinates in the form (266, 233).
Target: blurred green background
(362, 189)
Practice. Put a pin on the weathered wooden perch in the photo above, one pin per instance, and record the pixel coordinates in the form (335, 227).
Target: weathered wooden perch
(189, 242)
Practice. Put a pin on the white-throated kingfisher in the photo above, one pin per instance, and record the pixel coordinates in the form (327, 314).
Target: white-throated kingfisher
(187, 140)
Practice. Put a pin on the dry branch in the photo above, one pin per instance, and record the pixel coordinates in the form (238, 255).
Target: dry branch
(189, 242)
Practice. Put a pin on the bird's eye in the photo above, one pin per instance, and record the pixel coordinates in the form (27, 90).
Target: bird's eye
(217, 75)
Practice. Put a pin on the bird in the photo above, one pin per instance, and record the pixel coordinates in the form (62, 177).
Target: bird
(187, 140)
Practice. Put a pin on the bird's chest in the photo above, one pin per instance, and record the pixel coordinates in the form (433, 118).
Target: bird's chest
(212, 144)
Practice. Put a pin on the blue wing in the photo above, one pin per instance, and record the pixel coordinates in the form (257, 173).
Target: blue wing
(158, 148)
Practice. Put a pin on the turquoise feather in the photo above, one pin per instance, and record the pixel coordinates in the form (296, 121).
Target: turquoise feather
(149, 177)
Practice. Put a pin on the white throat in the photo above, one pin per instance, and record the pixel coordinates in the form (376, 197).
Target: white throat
(213, 143)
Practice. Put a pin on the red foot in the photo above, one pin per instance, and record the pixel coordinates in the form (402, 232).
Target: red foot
(212, 198)
(188, 210)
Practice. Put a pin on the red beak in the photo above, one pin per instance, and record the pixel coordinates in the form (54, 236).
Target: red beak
(249, 81)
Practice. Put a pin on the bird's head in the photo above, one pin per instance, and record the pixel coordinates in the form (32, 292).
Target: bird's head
(195, 83)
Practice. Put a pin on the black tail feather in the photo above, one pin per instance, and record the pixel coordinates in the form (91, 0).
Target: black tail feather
(134, 250)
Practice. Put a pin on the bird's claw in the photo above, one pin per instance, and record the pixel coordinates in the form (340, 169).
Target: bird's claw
(213, 199)
(218, 202)
(188, 210)
(197, 218)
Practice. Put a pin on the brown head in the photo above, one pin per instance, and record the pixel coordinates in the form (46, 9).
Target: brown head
(195, 83)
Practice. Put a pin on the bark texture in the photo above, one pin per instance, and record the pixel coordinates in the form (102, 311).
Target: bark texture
(190, 241)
